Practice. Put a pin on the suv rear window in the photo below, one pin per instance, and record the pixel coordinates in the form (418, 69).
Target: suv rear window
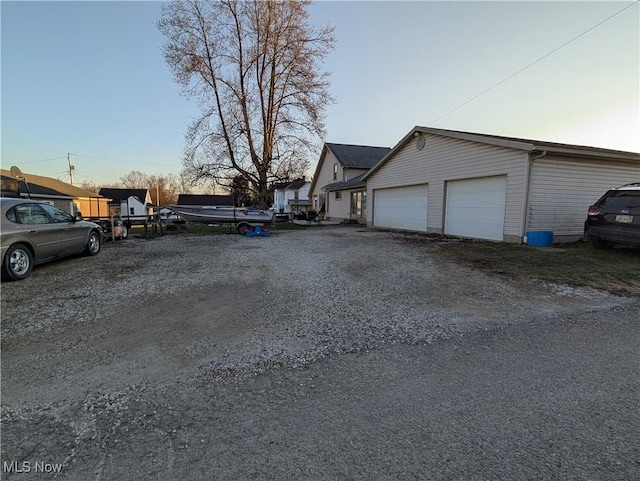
(619, 199)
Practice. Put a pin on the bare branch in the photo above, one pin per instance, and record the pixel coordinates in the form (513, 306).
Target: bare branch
(255, 69)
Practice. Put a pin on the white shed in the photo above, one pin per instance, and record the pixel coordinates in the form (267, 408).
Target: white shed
(491, 187)
(133, 205)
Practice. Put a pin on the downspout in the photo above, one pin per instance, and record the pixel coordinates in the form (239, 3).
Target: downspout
(528, 170)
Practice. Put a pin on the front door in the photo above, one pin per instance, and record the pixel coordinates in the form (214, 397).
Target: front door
(358, 206)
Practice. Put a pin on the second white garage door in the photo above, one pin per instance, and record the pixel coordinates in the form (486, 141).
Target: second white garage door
(475, 207)
(401, 207)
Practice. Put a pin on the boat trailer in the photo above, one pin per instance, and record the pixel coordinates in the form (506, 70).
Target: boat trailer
(251, 230)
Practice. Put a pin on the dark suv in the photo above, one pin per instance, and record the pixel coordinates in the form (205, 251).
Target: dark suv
(615, 218)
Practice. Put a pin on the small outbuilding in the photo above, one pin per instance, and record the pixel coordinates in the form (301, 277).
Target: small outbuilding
(133, 205)
(491, 187)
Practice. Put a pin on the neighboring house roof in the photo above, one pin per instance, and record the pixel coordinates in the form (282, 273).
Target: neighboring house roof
(352, 184)
(296, 184)
(203, 199)
(350, 156)
(527, 145)
(45, 186)
(124, 194)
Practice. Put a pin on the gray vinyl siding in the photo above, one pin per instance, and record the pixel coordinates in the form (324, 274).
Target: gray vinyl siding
(324, 177)
(340, 208)
(444, 159)
(562, 190)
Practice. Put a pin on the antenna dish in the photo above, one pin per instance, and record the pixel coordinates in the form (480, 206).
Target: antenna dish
(16, 172)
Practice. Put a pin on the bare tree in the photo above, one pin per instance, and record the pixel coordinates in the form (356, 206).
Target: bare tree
(135, 180)
(255, 68)
(164, 189)
(90, 186)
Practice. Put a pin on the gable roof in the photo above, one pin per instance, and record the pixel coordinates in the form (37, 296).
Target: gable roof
(204, 199)
(124, 194)
(296, 184)
(357, 156)
(526, 145)
(280, 185)
(291, 185)
(350, 156)
(45, 186)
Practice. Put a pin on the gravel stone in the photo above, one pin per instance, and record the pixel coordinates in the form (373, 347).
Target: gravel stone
(153, 340)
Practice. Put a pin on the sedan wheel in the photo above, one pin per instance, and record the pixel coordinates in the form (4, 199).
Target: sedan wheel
(17, 263)
(93, 245)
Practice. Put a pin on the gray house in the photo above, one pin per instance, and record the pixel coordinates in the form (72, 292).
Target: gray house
(337, 187)
(491, 187)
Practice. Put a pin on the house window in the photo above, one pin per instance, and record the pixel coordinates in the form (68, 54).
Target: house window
(335, 171)
(295, 195)
(132, 210)
(338, 195)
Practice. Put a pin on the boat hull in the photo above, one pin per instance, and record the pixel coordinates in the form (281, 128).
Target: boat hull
(211, 214)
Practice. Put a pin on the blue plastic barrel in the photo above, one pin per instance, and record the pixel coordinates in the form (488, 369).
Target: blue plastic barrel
(541, 238)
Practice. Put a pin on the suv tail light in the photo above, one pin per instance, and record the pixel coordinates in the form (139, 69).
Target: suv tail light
(593, 210)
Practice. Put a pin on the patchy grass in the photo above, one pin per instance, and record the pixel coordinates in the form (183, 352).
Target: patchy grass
(211, 229)
(615, 270)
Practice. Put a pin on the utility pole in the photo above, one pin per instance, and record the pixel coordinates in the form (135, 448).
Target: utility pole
(72, 168)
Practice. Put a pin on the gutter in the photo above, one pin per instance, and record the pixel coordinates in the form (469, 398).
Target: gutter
(527, 179)
(45, 196)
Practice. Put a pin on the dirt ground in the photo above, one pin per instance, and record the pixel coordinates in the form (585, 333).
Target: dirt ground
(326, 353)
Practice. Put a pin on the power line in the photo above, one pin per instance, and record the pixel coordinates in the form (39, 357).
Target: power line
(99, 182)
(43, 160)
(114, 160)
(534, 62)
(54, 174)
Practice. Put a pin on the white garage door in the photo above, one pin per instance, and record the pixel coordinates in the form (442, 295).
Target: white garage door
(475, 207)
(401, 207)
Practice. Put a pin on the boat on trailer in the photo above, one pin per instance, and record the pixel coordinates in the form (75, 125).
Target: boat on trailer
(209, 214)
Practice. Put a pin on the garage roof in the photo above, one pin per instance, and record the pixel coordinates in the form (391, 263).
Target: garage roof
(514, 143)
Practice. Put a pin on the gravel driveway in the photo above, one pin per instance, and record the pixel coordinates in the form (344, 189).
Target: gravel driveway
(327, 353)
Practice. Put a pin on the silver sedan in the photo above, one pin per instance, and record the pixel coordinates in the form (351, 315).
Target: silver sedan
(35, 232)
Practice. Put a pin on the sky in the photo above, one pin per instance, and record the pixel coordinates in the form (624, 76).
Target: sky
(87, 78)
